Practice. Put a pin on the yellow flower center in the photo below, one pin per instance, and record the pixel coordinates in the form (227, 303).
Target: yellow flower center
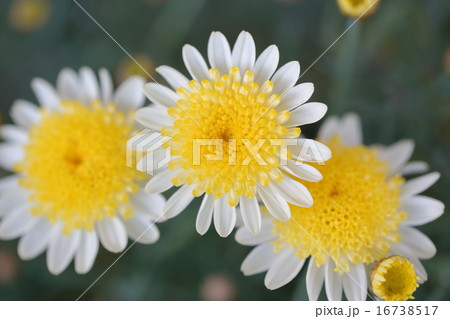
(355, 213)
(227, 135)
(74, 165)
(356, 8)
(394, 279)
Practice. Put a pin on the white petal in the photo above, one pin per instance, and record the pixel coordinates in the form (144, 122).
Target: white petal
(172, 76)
(294, 192)
(195, 63)
(45, 93)
(161, 181)
(224, 217)
(87, 251)
(285, 78)
(266, 64)
(34, 242)
(415, 167)
(314, 280)
(68, 85)
(161, 94)
(61, 251)
(179, 201)
(296, 96)
(151, 205)
(333, 282)
(10, 154)
(142, 229)
(306, 114)
(355, 283)
(245, 237)
(304, 171)
(25, 113)
(112, 233)
(16, 222)
(129, 95)
(310, 151)
(274, 202)
(106, 86)
(8, 183)
(329, 129)
(14, 134)
(285, 267)
(154, 118)
(11, 197)
(91, 91)
(351, 130)
(244, 52)
(258, 260)
(397, 154)
(251, 214)
(419, 184)
(419, 269)
(418, 242)
(205, 214)
(421, 210)
(219, 54)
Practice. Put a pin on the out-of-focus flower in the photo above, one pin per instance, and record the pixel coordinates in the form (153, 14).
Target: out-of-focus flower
(29, 15)
(364, 210)
(9, 267)
(218, 287)
(225, 129)
(142, 68)
(358, 8)
(72, 188)
(394, 279)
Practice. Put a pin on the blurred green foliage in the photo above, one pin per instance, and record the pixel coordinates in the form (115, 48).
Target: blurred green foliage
(389, 68)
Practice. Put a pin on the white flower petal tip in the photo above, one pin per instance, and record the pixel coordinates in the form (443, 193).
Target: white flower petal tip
(310, 151)
(397, 154)
(45, 93)
(154, 118)
(112, 234)
(296, 96)
(244, 52)
(160, 94)
(219, 54)
(419, 184)
(61, 251)
(128, 95)
(25, 113)
(179, 201)
(224, 217)
(195, 63)
(258, 260)
(285, 78)
(285, 267)
(306, 114)
(351, 129)
(87, 252)
(205, 213)
(266, 64)
(251, 214)
(422, 210)
(172, 76)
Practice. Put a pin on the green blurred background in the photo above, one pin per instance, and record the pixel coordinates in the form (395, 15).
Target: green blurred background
(393, 68)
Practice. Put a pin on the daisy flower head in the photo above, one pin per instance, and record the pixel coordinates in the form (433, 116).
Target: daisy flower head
(364, 211)
(228, 130)
(71, 188)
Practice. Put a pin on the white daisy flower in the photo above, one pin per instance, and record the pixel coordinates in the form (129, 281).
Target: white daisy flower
(225, 129)
(72, 188)
(364, 210)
